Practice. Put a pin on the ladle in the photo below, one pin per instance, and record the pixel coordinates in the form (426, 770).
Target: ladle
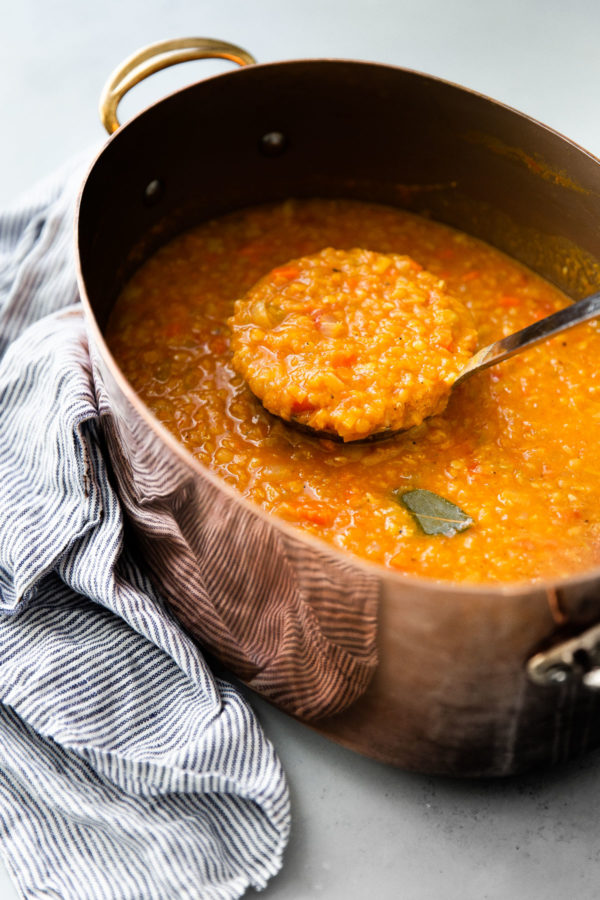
(539, 331)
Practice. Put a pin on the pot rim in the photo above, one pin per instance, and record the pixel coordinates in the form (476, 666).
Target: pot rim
(381, 572)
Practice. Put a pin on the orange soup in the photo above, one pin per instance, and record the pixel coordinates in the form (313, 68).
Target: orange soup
(514, 452)
(351, 343)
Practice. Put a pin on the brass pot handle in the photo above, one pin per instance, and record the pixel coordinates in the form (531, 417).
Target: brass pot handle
(159, 56)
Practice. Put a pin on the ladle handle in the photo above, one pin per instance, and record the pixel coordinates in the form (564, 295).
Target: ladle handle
(159, 56)
(572, 315)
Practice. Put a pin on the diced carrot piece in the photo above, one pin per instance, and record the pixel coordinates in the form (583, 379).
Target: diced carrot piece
(318, 515)
(286, 273)
(299, 406)
(509, 302)
(469, 276)
(344, 357)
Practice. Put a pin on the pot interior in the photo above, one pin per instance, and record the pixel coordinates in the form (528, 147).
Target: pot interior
(340, 129)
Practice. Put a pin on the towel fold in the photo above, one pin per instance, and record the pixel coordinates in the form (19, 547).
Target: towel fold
(127, 770)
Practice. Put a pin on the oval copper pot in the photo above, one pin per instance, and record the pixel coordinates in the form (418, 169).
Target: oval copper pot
(430, 676)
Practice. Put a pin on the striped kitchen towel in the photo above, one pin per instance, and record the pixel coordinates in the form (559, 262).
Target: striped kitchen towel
(127, 769)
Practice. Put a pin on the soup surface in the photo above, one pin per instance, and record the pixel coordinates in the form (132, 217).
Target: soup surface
(515, 449)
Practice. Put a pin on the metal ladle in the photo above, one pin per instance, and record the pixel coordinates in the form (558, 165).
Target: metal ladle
(539, 331)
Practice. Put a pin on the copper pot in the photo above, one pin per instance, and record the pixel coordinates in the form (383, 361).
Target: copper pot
(435, 677)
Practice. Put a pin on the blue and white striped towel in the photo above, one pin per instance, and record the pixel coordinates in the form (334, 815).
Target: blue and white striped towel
(127, 770)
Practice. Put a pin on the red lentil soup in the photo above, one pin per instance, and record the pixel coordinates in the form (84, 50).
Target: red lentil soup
(515, 449)
(351, 342)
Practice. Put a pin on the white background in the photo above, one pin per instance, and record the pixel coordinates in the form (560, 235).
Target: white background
(361, 830)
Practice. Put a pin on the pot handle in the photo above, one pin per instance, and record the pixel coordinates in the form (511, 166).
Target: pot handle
(576, 659)
(159, 56)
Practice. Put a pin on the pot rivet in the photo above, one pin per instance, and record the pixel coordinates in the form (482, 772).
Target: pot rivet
(153, 192)
(273, 143)
(558, 674)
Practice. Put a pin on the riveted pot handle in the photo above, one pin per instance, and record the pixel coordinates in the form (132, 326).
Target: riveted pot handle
(159, 56)
(576, 659)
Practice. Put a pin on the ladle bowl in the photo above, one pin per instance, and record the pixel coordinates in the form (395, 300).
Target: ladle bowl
(490, 355)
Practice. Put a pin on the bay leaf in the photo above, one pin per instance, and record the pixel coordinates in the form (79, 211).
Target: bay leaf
(434, 514)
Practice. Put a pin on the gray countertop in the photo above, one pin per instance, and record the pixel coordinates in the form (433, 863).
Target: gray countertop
(360, 829)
